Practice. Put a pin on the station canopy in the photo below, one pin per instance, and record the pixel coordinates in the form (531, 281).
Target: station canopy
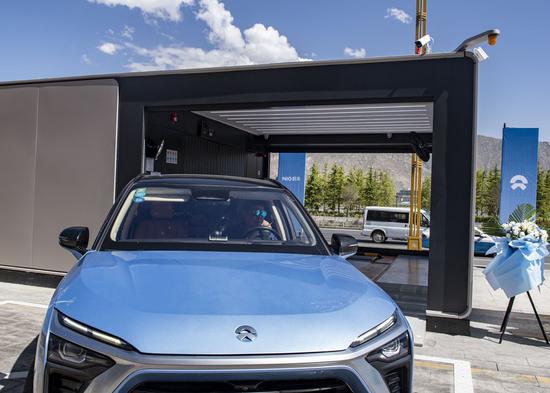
(389, 118)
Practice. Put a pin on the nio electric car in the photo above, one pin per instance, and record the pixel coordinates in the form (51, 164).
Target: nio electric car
(201, 283)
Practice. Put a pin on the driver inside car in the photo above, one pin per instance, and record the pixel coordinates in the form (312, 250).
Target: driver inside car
(251, 223)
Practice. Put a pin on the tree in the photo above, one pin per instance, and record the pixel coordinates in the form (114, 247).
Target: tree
(314, 189)
(543, 198)
(492, 194)
(356, 178)
(426, 193)
(325, 197)
(350, 196)
(335, 185)
(370, 193)
(386, 193)
(481, 192)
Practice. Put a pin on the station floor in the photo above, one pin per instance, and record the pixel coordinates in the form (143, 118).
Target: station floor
(443, 363)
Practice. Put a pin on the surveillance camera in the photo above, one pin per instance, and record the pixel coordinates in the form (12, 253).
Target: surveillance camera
(423, 41)
(480, 54)
(421, 148)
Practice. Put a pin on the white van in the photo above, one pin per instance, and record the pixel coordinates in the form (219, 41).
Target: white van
(382, 223)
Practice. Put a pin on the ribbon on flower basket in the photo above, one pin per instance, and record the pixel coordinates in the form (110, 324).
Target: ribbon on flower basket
(518, 266)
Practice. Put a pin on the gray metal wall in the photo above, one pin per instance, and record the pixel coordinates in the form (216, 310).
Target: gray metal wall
(57, 159)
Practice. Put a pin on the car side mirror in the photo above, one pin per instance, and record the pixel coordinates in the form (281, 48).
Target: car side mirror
(75, 239)
(344, 245)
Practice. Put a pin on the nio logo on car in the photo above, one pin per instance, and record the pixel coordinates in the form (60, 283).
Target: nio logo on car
(246, 333)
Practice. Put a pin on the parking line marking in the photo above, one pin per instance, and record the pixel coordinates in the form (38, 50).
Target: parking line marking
(432, 365)
(18, 303)
(462, 372)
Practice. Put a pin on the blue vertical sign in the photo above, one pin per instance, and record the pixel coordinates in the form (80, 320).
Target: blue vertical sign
(292, 173)
(518, 183)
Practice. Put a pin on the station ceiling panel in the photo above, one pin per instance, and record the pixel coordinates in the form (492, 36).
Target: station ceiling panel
(330, 119)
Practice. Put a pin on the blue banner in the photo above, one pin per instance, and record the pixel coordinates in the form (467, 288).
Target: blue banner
(518, 183)
(292, 173)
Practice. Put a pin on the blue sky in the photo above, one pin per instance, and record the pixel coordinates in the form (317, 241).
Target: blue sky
(53, 38)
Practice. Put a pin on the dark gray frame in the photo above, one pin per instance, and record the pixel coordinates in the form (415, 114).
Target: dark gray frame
(447, 80)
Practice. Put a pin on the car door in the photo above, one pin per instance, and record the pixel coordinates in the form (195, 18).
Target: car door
(402, 223)
(386, 223)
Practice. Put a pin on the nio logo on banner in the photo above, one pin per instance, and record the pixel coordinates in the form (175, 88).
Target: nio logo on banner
(246, 333)
(519, 181)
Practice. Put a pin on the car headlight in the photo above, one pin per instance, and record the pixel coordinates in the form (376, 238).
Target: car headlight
(395, 349)
(66, 353)
(375, 331)
(70, 367)
(93, 333)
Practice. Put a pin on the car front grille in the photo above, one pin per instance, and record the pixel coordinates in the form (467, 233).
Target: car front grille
(301, 386)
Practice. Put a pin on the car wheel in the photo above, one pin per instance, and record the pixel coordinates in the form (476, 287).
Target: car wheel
(29, 381)
(378, 237)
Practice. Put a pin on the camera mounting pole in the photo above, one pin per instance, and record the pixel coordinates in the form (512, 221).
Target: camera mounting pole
(490, 36)
(414, 241)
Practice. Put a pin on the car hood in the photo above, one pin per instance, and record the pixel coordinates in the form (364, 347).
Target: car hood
(190, 302)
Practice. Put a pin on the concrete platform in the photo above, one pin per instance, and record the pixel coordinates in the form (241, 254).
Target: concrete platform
(407, 270)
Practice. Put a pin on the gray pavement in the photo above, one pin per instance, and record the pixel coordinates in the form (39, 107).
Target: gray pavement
(22, 310)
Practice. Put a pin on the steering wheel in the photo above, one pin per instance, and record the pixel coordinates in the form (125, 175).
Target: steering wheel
(260, 230)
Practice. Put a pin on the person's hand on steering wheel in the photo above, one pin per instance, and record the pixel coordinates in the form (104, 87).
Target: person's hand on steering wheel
(272, 234)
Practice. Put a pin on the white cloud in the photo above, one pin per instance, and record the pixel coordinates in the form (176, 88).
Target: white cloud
(165, 35)
(220, 21)
(358, 53)
(86, 59)
(398, 14)
(109, 48)
(128, 32)
(163, 9)
(257, 44)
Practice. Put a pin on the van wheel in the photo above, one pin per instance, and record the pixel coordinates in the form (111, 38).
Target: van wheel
(378, 237)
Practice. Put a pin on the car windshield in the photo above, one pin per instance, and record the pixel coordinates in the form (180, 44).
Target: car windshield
(210, 215)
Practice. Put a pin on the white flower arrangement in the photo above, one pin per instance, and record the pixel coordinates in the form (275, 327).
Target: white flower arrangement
(517, 230)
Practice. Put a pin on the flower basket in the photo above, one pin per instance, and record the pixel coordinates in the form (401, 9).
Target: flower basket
(518, 266)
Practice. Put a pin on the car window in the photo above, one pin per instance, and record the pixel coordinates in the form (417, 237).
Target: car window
(387, 216)
(207, 215)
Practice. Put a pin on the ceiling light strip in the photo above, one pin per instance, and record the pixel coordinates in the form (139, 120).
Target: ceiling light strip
(326, 113)
(323, 108)
(346, 121)
(344, 132)
(343, 127)
(336, 118)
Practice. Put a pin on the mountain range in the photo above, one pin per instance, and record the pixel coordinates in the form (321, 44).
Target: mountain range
(488, 153)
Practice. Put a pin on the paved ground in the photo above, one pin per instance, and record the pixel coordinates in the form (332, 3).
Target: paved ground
(22, 310)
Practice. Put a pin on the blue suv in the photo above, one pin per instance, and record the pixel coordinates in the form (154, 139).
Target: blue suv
(201, 283)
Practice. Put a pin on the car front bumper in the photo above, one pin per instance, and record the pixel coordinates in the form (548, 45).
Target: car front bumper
(132, 369)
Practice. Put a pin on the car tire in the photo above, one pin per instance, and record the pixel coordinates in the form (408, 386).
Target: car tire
(378, 237)
(29, 381)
